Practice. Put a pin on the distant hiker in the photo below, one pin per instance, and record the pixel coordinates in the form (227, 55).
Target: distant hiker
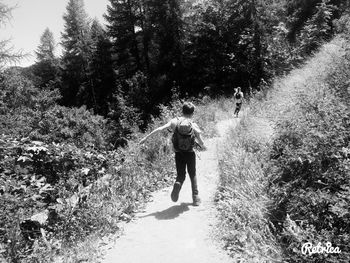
(238, 96)
(186, 134)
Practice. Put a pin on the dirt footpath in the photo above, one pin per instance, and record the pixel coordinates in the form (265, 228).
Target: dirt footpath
(177, 232)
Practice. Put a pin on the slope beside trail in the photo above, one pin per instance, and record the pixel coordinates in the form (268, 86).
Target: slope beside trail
(177, 232)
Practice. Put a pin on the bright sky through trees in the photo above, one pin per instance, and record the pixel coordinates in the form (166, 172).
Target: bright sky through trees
(30, 18)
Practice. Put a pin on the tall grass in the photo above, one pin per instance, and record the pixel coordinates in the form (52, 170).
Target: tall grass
(242, 197)
(308, 168)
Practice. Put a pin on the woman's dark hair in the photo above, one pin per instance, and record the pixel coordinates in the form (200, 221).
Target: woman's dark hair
(188, 108)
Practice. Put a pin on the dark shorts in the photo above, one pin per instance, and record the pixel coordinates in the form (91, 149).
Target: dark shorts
(238, 108)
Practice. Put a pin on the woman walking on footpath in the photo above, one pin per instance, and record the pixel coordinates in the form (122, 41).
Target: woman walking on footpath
(239, 99)
(186, 134)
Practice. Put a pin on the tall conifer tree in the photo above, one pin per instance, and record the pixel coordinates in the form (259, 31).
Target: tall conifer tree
(46, 49)
(101, 68)
(121, 15)
(46, 67)
(6, 53)
(166, 18)
(76, 51)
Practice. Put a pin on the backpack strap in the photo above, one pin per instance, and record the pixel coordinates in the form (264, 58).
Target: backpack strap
(177, 124)
(170, 130)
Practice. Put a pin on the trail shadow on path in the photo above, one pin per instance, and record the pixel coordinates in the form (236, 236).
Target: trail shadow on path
(171, 212)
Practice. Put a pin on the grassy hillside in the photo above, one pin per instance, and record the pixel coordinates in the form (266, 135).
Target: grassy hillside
(309, 162)
(284, 187)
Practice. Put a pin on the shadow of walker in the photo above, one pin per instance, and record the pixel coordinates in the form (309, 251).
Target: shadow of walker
(171, 212)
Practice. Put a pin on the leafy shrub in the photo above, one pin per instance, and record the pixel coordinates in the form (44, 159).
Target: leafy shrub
(87, 190)
(35, 176)
(30, 112)
(342, 25)
(74, 125)
(123, 120)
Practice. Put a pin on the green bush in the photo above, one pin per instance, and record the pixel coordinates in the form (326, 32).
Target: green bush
(342, 25)
(86, 190)
(70, 125)
(30, 112)
(34, 177)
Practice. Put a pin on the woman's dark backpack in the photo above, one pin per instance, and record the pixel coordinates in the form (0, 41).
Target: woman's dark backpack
(183, 138)
(238, 96)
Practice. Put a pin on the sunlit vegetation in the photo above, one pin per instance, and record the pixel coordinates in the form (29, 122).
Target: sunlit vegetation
(71, 169)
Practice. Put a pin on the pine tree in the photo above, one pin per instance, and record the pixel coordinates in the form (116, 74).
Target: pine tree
(76, 51)
(46, 67)
(227, 45)
(121, 28)
(101, 68)
(317, 29)
(47, 46)
(166, 55)
(298, 11)
(301, 11)
(7, 55)
(146, 39)
(144, 34)
(205, 46)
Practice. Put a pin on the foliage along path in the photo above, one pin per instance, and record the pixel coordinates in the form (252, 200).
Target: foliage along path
(177, 232)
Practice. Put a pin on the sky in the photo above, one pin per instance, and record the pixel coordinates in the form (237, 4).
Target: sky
(30, 18)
